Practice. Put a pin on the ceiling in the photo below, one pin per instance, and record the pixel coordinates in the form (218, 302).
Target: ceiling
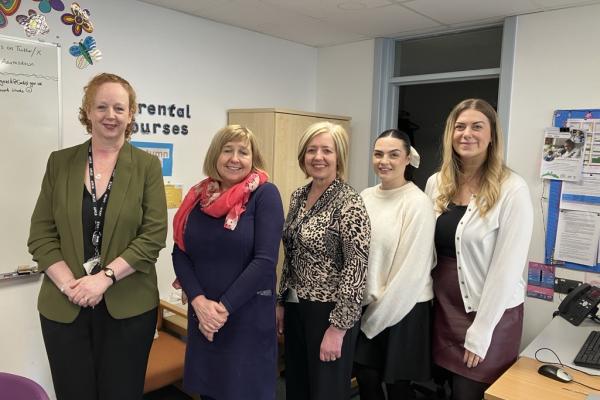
(322, 23)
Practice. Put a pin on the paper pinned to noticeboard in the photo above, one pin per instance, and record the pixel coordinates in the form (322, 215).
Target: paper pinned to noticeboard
(562, 155)
(577, 237)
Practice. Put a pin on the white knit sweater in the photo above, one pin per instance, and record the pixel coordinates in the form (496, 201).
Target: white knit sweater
(401, 255)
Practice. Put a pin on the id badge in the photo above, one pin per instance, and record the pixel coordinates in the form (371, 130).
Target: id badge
(90, 264)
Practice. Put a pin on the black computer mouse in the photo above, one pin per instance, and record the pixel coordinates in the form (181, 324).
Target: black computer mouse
(554, 372)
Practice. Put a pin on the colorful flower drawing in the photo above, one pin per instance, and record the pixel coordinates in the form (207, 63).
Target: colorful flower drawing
(7, 8)
(86, 52)
(79, 19)
(47, 5)
(34, 23)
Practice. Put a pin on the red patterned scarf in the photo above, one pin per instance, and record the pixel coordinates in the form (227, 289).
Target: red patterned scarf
(230, 203)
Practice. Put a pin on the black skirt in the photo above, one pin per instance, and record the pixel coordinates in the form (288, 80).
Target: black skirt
(401, 351)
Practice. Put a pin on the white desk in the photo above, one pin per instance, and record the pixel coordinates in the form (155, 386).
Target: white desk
(523, 382)
(564, 339)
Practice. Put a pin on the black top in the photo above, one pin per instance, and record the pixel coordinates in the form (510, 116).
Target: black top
(445, 230)
(87, 219)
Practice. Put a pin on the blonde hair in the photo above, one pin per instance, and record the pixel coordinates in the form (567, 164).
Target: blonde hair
(340, 138)
(89, 94)
(493, 170)
(231, 133)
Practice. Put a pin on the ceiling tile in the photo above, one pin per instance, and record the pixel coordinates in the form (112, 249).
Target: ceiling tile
(250, 14)
(319, 34)
(459, 11)
(382, 21)
(325, 8)
(549, 4)
(188, 6)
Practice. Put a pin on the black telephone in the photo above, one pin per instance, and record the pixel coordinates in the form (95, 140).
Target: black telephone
(579, 303)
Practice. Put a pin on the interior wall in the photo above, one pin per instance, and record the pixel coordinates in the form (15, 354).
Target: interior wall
(170, 58)
(345, 87)
(554, 68)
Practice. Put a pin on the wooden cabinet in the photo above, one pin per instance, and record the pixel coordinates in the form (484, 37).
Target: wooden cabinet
(278, 132)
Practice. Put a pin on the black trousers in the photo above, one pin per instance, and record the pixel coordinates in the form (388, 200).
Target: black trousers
(462, 388)
(370, 386)
(97, 357)
(306, 376)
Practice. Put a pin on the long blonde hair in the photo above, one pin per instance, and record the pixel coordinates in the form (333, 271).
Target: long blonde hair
(493, 170)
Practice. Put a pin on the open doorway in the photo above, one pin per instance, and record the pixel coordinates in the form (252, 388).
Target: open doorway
(422, 112)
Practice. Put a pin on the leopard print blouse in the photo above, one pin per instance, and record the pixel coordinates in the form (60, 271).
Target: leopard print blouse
(327, 249)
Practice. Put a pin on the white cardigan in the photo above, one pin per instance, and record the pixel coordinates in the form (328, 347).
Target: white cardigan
(401, 255)
(491, 253)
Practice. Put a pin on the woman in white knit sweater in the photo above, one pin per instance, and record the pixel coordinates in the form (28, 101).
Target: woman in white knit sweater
(394, 343)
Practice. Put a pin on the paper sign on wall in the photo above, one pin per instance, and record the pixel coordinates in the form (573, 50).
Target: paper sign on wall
(174, 195)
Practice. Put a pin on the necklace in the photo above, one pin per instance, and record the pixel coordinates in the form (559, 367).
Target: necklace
(98, 176)
(470, 184)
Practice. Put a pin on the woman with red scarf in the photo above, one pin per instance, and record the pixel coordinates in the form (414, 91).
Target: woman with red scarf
(227, 234)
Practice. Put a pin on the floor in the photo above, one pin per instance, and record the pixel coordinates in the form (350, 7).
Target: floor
(172, 393)
(167, 393)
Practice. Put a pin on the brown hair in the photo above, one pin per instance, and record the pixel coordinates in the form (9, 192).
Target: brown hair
(231, 133)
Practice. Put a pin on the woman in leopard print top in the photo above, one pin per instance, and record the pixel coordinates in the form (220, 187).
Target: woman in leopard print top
(326, 240)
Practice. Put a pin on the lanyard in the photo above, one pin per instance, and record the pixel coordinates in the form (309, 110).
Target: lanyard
(98, 210)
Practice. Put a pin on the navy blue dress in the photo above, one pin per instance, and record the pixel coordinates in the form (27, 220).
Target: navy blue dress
(237, 268)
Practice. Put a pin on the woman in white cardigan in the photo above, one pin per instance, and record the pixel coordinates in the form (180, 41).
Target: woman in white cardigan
(394, 343)
(482, 235)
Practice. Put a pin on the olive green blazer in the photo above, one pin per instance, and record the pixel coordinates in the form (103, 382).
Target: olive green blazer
(135, 228)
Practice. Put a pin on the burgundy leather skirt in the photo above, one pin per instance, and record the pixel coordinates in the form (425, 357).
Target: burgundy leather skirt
(450, 326)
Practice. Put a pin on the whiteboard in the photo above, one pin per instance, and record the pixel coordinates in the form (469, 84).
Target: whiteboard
(30, 120)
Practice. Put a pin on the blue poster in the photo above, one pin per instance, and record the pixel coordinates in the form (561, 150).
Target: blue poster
(561, 119)
(164, 152)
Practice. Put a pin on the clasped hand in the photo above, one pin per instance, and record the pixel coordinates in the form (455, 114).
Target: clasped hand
(211, 315)
(87, 291)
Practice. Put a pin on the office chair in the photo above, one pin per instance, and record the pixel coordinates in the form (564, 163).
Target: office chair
(15, 387)
(167, 355)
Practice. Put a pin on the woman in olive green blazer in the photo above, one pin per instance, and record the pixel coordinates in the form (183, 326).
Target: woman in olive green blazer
(98, 327)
